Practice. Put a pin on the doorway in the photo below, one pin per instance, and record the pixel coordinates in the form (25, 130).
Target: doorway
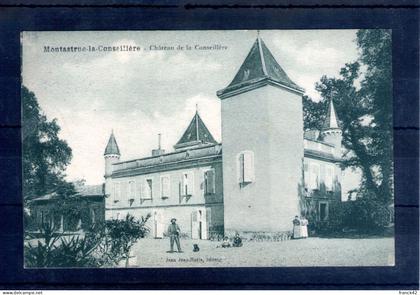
(158, 224)
(323, 211)
(198, 225)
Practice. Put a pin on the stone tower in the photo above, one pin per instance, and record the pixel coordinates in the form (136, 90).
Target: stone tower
(111, 155)
(331, 131)
(262, 136)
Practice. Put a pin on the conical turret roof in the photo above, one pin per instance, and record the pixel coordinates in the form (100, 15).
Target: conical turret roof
(196, 133)
(112, 146)
(259, 68)
(331, 121)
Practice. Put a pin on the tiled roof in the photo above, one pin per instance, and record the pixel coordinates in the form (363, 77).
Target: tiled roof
(83, 191)
(112, 146)
(331, 121)
(196, 133)
(91, 190)
(259, 66)
(175, 158)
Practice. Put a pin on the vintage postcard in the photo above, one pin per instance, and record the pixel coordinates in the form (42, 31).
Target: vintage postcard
(268, 148)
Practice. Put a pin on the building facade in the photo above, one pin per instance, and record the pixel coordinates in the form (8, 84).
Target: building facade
(76, 213)
(268, 168)
(186, 184)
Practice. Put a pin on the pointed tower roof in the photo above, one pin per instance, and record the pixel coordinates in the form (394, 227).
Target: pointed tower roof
(112, 146)
(196, 133)
(259, 69)
(331, 121)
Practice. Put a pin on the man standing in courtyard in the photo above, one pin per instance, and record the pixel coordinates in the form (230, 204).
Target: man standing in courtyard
(173, 232)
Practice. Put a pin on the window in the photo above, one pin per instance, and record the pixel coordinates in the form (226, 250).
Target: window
(131, 192)
(92, 216)
(246, 167)
(148, 190)
(314, 176)
(187, 184)
(329, 172)
(209, 182)
(131, 189)
(164, 187)
(117, 191)
(124, 190)
(138, 189)
(306, 174)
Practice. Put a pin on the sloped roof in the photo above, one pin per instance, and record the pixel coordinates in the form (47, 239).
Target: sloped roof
(91, 190)
(331, 121)
(112, 146)
(260, 65)
(83, 191)
(167, 161)
(196, 133)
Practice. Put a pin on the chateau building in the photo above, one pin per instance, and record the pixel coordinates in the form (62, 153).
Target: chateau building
(256, 180)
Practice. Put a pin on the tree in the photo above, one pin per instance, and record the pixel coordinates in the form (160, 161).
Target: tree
(365, 112)
(44, 155)
(314, 113)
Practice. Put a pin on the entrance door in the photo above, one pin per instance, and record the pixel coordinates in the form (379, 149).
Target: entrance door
(323, 213)
(195, 226)
(158, 224)
(198, 225)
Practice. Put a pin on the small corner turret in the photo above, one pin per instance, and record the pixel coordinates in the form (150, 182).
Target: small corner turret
(331, 131)
(112, 155)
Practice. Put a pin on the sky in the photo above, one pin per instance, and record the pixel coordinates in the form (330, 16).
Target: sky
(143, 93)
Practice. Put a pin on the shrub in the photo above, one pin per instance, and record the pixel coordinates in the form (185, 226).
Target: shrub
(367, 215)
(122, 234)
(362, 216)
(106, 244)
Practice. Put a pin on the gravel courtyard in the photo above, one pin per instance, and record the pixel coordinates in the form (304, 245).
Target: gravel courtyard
(307, 252)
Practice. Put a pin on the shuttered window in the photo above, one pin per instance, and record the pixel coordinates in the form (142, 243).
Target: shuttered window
(164, 187)
(306, 175)
(314, 176)
(131, 189)
(329, 175)
(124, 190)
(148, 190)
(138, 189)
(209, 182)
(117, 191)
(246, 167)
(187, 184)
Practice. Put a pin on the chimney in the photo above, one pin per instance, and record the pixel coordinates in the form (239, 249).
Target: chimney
(159, 151)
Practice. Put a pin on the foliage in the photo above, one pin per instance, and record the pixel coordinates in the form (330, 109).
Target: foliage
(362, 216)
(123, 234)
(366, 215)
(314, 113)
(106, 244)
(365, 112)
(44, 155)
(42, 255)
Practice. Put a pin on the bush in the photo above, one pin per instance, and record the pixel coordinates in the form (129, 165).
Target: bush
(367, 215)
(122, 235)
(362, 216)
(107, 244)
